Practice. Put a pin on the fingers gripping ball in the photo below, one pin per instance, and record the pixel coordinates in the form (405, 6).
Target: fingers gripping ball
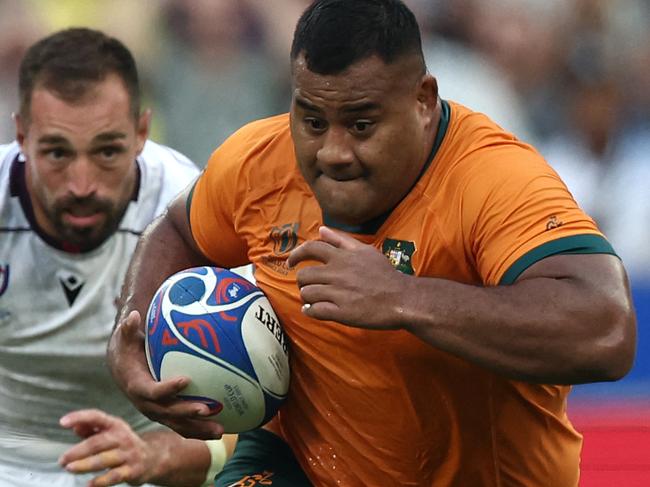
(219, 329)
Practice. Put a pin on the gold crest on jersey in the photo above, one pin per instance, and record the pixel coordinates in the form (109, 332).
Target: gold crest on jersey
(399, 254)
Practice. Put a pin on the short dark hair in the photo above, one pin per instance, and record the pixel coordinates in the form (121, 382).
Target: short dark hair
(69, 61)
(334, 34)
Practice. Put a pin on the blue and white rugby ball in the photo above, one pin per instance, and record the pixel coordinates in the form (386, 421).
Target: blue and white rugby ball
(219, 329)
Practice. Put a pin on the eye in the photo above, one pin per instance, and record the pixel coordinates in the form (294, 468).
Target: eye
(56, 154)
(315, 124)
(109, 153)
(362, 125)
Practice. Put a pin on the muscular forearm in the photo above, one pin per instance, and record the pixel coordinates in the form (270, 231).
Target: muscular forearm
(552, 329)
(165, 251)
(165, 248)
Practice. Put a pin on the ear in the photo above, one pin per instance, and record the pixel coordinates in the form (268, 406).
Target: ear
(428, 91)
(144, 123)
(427, 96)
(21, 128)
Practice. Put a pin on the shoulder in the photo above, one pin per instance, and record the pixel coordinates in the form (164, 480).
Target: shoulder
(478, 150)
(253, 137)
(261, 131)
(164, 172)
(154, 154)
(256, 164)
(261, 150)
(8, 153)
(163, 165)
(479, 165)
(471, 130)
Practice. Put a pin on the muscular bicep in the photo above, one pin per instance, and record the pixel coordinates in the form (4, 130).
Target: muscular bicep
(213, 208)
(603, 272)
(593, 292)
(596, 282)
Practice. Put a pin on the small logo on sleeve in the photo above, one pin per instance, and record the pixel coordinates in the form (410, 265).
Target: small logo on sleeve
(553, 222)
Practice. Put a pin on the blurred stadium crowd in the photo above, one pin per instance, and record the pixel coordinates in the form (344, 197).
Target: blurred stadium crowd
(570, 76)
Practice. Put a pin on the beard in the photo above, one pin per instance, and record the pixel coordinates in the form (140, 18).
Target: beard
(91, 236)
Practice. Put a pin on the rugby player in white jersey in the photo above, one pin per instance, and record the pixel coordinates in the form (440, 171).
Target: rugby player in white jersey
(77, 187)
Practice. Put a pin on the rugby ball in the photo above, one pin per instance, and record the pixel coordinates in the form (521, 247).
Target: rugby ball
(219, 329)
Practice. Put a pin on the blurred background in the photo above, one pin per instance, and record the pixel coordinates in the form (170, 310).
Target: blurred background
(570, 76)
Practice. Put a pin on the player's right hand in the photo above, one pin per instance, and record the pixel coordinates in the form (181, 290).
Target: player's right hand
(156, 400)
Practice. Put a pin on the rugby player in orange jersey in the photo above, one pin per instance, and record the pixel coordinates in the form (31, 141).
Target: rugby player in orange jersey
(439, 285)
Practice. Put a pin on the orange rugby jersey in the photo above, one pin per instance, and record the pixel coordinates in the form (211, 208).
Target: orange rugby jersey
(382, 408)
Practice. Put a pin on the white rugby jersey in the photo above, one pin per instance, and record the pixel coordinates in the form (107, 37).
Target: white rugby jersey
(57, 310)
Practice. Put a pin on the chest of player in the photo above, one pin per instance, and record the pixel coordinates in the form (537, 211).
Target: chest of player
(50, 298)
(415, 238)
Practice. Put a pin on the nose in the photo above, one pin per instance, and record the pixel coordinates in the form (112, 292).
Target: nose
(336, 149)
(82, 178)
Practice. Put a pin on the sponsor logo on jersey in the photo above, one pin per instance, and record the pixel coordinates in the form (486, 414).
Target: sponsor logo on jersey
(71, 284)
(400, 254)
(4, 278)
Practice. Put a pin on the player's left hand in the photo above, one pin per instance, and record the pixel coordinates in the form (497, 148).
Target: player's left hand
(110, 447)
(156, 400)
(355, 285)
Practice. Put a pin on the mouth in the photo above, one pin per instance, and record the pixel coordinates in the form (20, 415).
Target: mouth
(82, 220)
(341, 180)
(340, 177)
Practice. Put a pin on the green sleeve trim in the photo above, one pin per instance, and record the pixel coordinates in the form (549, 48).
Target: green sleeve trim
(188, 204)
(575, 244)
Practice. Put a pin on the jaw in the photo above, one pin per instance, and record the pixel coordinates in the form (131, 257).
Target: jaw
(348, 202)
